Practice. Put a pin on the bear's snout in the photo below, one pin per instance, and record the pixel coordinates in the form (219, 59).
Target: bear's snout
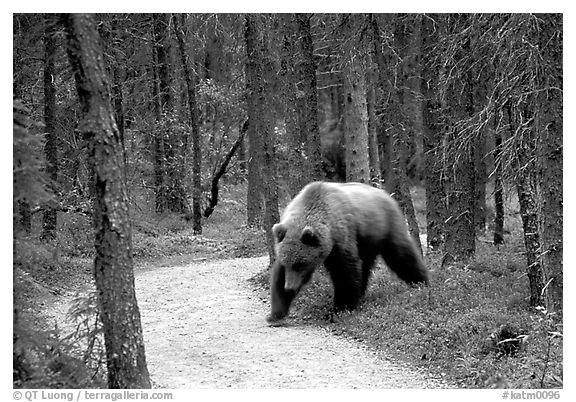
(292, 283)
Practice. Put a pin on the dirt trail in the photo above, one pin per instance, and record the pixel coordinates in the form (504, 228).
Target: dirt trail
(204, 328)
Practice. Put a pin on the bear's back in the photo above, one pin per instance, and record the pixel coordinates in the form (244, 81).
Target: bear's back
(364, 204)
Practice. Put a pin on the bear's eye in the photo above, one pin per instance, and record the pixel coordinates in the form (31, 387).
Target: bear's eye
(309, 238)
(280, 233)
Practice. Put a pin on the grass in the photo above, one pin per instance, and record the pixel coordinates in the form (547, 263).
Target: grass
(451, 328)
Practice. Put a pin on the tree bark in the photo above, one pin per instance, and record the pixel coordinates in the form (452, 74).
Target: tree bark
(355, 108)
(309, 108)
(112, 36)
(384, 136)
(114, 275)
(498, 190)
(254, 197)
(460, 241)
(191, 80)
(50, 216)
(549, 126)
(480, 180)
(523, 164)
(300, 97)
(433, 171)
(17, 84)
(159, 154)
(400, 147)
(297, 175)
(261, 120)
(529, 215)
(459, 226)
(170, 141)
(373, 148)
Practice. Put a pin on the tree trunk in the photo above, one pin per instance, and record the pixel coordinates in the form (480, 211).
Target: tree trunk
(309, 105)
(114, 275)
(170, 141)
(159, 155)
(373, 149)
(523, 165)
(460, 230)
(191, 79)
(271, 213)
(50, 216)
(355, 108)
(25, 215)
(255, 180)
(498, 190)
(529, 214)
(111, 36)
(414, 84)
(459, 226)
(17, 84)
(433, 171)
(296, 174)
(119, 107)
(300, 102)
(261, 122)
(549, 153)
(400, 147)
(383, 135)
(480, 183)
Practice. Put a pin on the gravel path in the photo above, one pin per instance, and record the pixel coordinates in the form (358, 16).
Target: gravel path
(204, 327)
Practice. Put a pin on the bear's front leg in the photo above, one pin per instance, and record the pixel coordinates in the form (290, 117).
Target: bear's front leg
(345, 269)
(280, 298)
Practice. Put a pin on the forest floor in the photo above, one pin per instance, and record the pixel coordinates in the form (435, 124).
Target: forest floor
(204, 327)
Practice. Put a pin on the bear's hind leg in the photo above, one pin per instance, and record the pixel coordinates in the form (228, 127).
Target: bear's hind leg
(346, 272)
(368, 260)
(403, 257)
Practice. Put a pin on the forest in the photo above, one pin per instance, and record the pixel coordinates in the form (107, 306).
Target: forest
(145, 139)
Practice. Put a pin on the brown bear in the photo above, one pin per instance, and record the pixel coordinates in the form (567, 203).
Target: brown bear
(345, 226)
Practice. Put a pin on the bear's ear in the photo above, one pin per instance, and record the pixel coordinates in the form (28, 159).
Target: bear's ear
(309, 237)
(279, 231)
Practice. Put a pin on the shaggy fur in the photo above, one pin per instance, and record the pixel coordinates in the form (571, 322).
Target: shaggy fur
(345, 226)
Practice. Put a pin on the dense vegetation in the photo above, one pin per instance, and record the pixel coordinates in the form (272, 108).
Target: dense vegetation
(144, 139)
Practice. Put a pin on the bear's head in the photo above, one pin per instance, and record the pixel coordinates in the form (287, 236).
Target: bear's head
(299, 250)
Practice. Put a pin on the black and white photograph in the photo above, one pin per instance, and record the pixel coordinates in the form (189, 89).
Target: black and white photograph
(281, 201)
